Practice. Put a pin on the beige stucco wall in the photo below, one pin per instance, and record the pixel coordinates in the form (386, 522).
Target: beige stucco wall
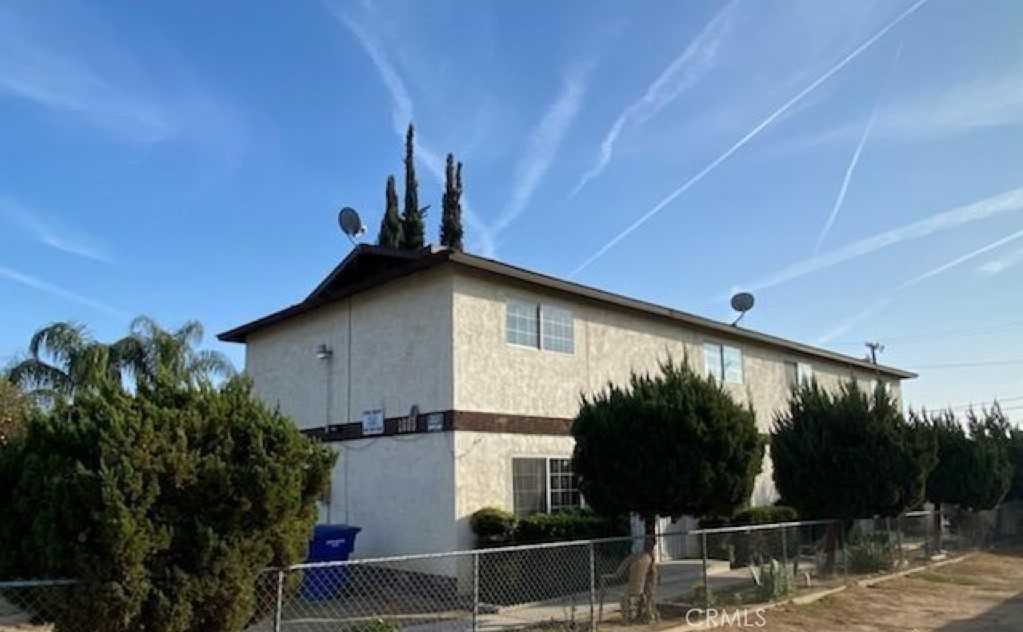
(610, 342)
(399, 490)
(483, 471)
(392, 349)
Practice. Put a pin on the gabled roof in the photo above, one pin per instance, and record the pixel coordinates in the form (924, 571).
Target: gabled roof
(367, 267)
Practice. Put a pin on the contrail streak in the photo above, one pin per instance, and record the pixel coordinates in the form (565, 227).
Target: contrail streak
(851, 169)
(58, 291)
(749, 136)
(682, 73)
(889, 295)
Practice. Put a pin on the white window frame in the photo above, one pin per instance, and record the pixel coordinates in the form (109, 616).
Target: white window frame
(799, 373)
(535, 308)
(539, 310)
(717, 360)
(548, 503)
(553, 309)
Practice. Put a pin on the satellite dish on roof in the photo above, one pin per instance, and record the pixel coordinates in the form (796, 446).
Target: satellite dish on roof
(350, 222)
(742, 303)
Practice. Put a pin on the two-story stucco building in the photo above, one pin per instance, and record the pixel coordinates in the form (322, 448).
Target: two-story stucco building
(447, 382)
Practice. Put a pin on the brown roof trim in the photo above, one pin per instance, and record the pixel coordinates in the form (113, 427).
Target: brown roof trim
(706, 324)
(416, 262)
(428, 258)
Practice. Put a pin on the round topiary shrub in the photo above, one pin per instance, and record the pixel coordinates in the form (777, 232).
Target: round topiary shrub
(493, 526)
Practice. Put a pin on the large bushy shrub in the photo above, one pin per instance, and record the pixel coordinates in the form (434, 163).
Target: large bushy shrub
(164, 504)
(848, 454)
(1016, 459)
(14, 407)
(671, 444)
(973, 469)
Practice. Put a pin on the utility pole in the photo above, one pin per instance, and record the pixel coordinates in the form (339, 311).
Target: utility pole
(873, 348)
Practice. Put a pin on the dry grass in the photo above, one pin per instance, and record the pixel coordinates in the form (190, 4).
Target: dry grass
(981, 594)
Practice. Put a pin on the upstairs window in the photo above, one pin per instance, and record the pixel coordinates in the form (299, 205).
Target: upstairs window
(539, 326)
(723, 363)
(521, 323)
(557, 328)
(799, 373)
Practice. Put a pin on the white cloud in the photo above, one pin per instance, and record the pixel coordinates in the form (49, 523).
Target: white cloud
(541, 146)
(985, 103)
(47, 230)
(889, 295)
(59, 292)
(1001, 264)
(36, 69)
(402, 111)
(851, 169)
(753, 133)
(682, 73)
(89, 79)
(1005, 203)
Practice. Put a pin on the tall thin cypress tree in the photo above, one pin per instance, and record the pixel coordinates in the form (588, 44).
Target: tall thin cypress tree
(390, 225)
(413, 230)
(451, 220)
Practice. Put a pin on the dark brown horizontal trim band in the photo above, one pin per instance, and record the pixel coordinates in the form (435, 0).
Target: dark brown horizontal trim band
(405, 265)
(446, 421)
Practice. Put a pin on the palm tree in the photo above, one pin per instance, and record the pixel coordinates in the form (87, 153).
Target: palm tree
(62, 358)
(151, 352)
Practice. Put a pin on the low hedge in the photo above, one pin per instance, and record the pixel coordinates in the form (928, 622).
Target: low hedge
(563, 526)
(497, 527)
(767, 514)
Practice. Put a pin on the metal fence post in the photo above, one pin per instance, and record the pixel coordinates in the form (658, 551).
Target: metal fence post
(784, 548)
(900, 526)
(475, 590)
(840, 526)
(279, 607)
(593, 588)
(706, 581)
(888, 539)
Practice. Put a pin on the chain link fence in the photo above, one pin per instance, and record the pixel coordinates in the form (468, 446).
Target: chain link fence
(31, 605)
(580, 586)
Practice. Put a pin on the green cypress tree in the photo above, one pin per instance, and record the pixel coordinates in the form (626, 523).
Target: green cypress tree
(846, 455)
(451, 218)
(390, 225)
(666, 445)
(412, 228)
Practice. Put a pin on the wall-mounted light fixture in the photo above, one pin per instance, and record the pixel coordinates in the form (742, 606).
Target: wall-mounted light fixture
(323, 352)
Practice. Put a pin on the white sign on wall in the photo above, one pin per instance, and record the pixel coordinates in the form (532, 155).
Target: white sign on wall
(373, 422)
(435, 422)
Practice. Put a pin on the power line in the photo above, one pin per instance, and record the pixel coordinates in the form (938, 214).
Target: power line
(997, 400)
(966, 365)
(942, 334)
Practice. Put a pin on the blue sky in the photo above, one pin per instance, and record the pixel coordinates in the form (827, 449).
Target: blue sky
(855, 164)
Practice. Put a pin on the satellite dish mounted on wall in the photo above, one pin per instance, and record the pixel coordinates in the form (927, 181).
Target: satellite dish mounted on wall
(350, 222)
(742, 303)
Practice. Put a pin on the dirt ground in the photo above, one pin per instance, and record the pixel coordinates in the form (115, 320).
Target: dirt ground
(981, 594)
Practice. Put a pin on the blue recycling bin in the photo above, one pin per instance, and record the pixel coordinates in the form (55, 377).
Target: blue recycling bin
(330, 543)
